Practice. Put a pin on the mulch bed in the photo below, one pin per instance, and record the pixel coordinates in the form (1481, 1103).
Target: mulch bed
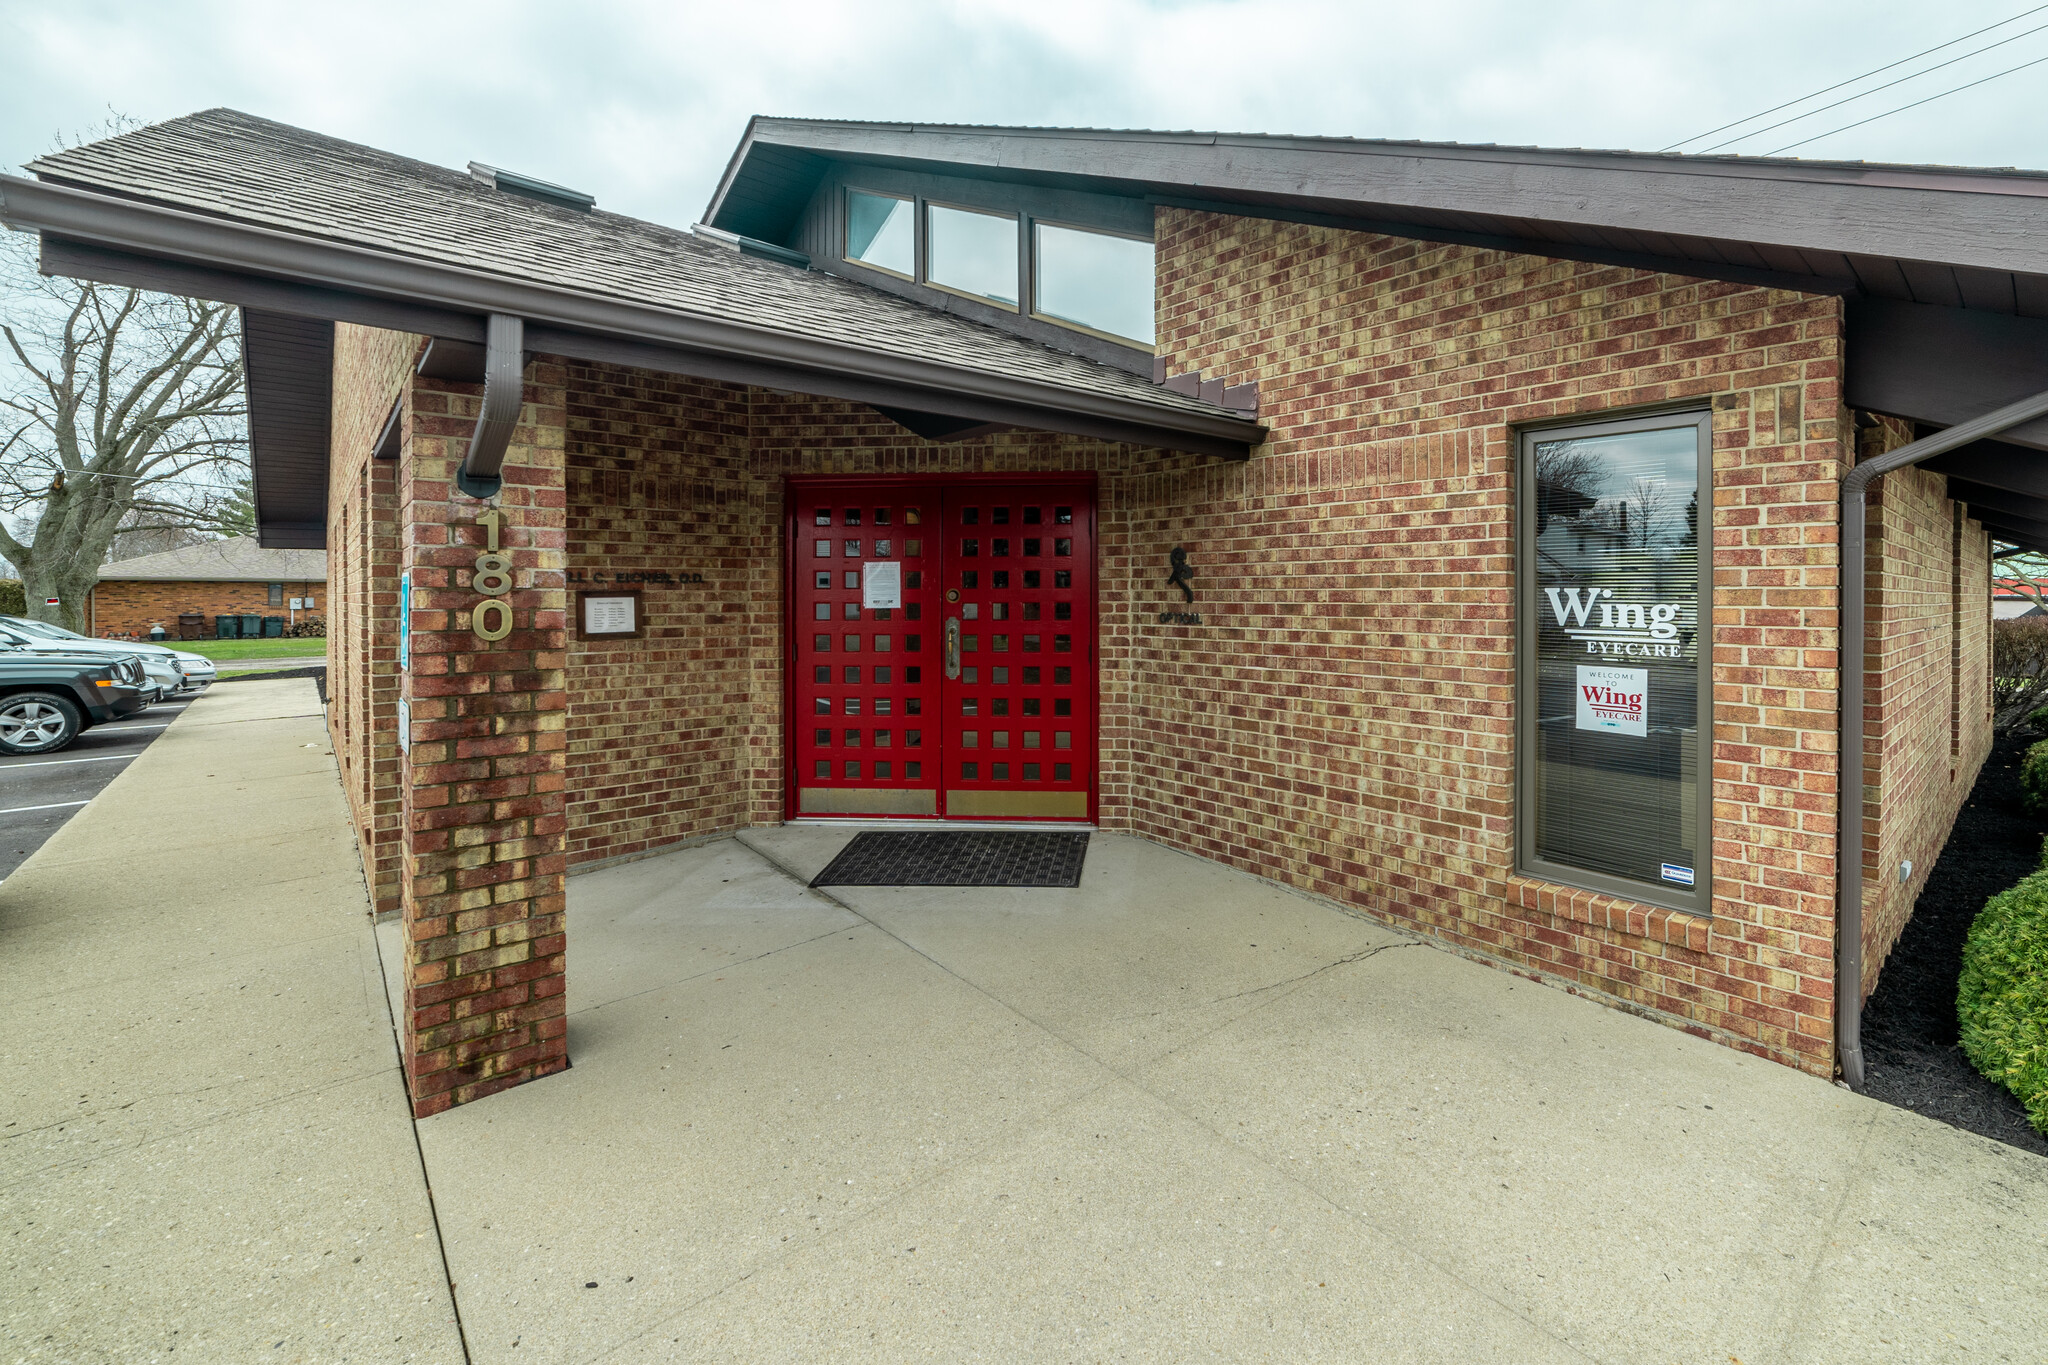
(318, 673)
(1909, 1025)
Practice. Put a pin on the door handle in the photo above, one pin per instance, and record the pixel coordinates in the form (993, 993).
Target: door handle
(952, 647)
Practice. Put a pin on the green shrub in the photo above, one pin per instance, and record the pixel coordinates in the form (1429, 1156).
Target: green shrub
(2002, 997)
(14, 599)
(2034, 778)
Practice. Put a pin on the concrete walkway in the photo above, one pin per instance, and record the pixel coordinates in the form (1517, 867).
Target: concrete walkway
(1176, 1113)
(207, 1152)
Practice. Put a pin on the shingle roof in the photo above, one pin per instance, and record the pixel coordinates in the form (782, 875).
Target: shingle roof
(239, 560)
(234, 165)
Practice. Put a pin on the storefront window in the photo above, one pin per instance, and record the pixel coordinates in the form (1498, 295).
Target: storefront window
(1614, 697)
(881, 232)
(1093, 280)
(972, 252)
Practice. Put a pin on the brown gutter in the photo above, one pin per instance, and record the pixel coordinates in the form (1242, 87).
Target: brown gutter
(1849, 848)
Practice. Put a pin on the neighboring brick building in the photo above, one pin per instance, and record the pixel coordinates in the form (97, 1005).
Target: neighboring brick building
(234, 577)
(1459, 539)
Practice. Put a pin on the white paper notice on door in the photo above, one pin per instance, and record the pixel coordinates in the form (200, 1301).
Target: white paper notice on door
(881, 583)
(1616, 700)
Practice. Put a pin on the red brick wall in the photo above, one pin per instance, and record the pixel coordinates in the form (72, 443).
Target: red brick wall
(661, 729)
(1356, 671)
(1927, 721)
(1342, 721)
(128, 607)
(483, 784)
(372, 369)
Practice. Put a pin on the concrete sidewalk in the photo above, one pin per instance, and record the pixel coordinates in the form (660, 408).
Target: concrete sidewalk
(1174, 1113)
(208, 1154)
(1177, 1113)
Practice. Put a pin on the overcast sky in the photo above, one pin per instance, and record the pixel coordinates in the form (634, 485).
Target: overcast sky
(641, 103)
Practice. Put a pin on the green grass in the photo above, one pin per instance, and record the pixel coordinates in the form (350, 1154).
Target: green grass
(252, 649)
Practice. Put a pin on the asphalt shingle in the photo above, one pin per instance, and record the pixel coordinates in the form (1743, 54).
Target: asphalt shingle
(234, 165)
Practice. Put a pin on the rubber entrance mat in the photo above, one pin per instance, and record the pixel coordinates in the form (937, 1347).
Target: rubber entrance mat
(957, 858)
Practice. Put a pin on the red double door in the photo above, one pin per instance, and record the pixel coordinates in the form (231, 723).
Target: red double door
(942, 648)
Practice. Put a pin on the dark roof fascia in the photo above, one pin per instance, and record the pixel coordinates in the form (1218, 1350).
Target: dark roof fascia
(1904, 212)
(83, 261)
(1983, 501)
(1943, 366)
(1997, 466)
(289, 361)
(1690, 266)
(2021, 531)
(811, 365)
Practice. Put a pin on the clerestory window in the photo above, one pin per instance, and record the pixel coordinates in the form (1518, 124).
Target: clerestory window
(1097, 281)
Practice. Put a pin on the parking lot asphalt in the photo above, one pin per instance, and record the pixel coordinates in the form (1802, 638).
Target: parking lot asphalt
(38, 793)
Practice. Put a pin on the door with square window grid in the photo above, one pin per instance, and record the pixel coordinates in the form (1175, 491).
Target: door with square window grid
(943, 648)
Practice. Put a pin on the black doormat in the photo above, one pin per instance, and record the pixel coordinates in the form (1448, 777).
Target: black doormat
(957, 858)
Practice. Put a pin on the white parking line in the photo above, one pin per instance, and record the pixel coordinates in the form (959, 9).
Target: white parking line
(53, 762)
(54, 805)
(112, 729)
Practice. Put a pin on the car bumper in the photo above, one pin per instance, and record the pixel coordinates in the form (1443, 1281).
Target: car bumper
(112, 703)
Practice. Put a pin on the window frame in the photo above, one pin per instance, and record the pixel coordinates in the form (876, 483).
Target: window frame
(1699, 900)
(274, 595)
(1031, 226)
(924, 251)
(846, 230)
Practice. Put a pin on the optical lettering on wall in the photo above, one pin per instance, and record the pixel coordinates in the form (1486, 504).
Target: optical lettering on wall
(661, 577)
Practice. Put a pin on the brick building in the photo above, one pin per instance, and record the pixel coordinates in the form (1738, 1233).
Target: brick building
(233, 577)
(1485, 539)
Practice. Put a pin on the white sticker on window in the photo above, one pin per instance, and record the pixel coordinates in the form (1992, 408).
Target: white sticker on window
(881, 583)
(1674, 873)
(1616, 700)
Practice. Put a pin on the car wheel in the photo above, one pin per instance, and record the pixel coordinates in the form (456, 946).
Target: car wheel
(37, 723)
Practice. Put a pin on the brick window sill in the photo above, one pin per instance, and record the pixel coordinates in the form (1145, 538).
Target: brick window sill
(1616, 913)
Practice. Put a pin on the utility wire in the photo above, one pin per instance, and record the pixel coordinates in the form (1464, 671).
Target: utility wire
(1851, 99)
(1853, 79)
(1904, 107)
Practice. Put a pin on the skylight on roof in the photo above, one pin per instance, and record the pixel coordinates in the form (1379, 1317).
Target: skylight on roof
(511, 182)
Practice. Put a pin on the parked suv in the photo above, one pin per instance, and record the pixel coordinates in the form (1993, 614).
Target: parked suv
(170, 671)
(48, 700)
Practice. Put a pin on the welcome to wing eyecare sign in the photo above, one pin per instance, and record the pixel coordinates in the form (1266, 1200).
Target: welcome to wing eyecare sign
(1613, 695)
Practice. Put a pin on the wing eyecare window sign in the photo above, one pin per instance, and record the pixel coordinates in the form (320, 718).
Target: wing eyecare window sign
(1614, 707)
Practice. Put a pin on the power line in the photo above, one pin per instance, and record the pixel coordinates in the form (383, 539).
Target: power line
(1904, 107)
(1924, 71)
(1853, 79)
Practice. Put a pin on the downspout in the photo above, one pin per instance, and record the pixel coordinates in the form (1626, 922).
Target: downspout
(1849, 851)
(504, 390)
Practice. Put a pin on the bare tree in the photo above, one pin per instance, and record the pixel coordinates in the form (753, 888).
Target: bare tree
(2025, 571)
(120, 411)
(1569, 476)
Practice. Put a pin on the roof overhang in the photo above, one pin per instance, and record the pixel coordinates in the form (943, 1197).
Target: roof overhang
(128, 242)
(1964, 237)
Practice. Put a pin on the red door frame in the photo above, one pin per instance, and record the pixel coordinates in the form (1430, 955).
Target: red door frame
(795, 485)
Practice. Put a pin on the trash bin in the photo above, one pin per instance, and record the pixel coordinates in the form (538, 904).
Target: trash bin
(252, 627)
(191, 626)
(227, 627)
(273, 627)
(158, 634)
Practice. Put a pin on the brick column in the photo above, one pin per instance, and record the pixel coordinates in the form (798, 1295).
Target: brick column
(483, 783)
